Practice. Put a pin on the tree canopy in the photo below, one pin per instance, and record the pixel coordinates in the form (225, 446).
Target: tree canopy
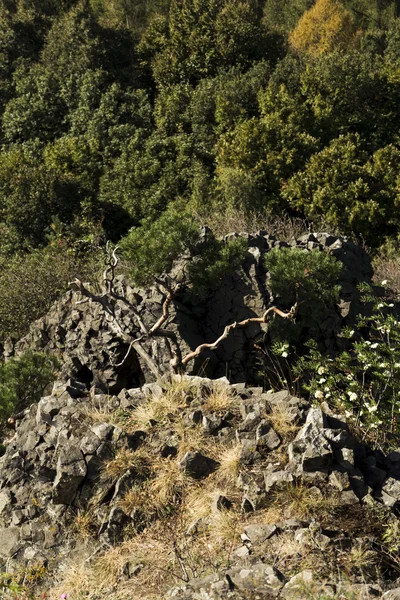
(114, 112)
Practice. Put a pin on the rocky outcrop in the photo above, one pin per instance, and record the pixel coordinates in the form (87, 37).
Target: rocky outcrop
(89, 350)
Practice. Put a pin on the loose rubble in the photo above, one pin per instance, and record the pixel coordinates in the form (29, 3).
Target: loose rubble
(53, 468)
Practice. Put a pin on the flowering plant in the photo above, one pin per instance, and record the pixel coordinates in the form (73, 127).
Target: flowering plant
(364, 380)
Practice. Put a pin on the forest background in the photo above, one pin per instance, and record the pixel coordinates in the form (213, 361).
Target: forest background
(135, 119)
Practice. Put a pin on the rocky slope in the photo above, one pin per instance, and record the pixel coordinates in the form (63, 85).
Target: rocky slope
(115, 485)
(306, 506)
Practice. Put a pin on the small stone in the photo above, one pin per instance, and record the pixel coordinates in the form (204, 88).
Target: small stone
(266, 436)
(359, 486)
(391, 487)
(9, 541)
(248, 453)
(392, 595)
(197, 465)
(250, 422)
(349, 498)
(339, 480)
(299, 586)
(196, 416)
(261, 577)
(5, 500)
(277, 480)
(257, 534)
(131, 569)
(71, 471)
(242, 552)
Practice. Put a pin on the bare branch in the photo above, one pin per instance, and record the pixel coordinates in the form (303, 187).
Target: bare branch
(164, 316)
(147, 359)
(214, 345)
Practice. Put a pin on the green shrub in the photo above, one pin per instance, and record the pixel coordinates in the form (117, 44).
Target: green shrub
(23, 380)
(151, 249)
(310, 277)
(363, 381)
(216, 260)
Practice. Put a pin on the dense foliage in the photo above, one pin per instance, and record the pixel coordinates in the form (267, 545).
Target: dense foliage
(363, 382)
(111, 111)
(308, 278)
(23, 380)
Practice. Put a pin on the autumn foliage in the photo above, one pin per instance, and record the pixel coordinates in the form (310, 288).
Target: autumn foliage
(325, 27)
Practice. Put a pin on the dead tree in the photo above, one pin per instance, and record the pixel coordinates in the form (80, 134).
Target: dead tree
(111, 302)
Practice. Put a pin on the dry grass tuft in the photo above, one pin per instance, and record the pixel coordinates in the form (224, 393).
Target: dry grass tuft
(137, 499)
(84, 525)
(169, 483)
(283, 423)
(300, 501)
(225, 526)
(229, 468)
(360, 558)
(307, 502)
(220, 400)
(282, 226)
(386, 265)
(76, 580)
(125, 460)
(161, 410)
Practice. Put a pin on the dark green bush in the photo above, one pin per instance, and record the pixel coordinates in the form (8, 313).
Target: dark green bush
(310, 277)
(151, 249)
(216, 260)
(23, 380)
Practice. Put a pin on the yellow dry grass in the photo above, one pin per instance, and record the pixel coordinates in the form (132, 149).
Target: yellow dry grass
(220, 400)
(282, 421)
(161, 410)
(300, 501)
(169, 483)
(125, 460)
(83, 525)
(229, 468)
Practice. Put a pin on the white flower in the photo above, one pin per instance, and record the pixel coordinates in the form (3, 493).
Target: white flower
(375, 345)
(391, 305)
(384, 282)
(397, 365)
(318, 394)
(322, 380)
(367, 342)
(352, 396)
(383, 365)
(328, 395)
(284, 354)
(326, 389)
(380, 305)
(321, 370)
(351, 333)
